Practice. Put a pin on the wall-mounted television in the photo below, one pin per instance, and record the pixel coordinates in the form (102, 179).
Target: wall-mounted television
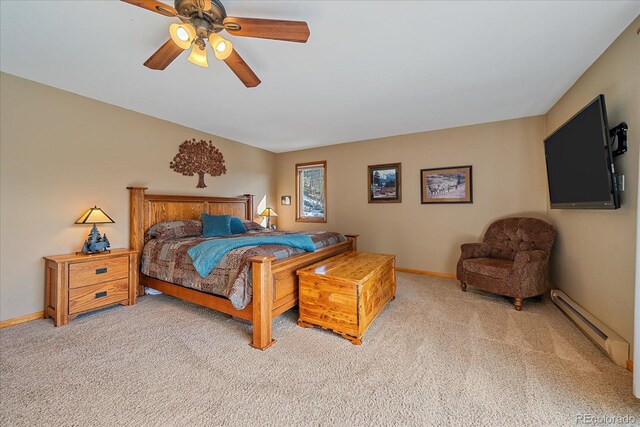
(580, 167)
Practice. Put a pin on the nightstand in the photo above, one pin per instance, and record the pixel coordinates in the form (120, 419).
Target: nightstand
(75, 284)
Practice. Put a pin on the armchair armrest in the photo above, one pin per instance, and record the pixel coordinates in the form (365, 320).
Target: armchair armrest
(526, 257)
(530, 270)
(474, 250)
(470, 250)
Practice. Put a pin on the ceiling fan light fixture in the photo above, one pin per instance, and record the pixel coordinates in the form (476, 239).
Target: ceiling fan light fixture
(182, 34)
(222, 48)
(198, 55)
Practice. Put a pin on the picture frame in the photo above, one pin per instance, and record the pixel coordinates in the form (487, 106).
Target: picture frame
(285, 200)
(446, 185)
(384, 183)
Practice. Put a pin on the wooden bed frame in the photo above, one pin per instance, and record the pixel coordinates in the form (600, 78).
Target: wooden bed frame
(275, 283)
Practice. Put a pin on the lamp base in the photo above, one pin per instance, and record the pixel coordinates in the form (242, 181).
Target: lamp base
(96, 243)
(108, 251)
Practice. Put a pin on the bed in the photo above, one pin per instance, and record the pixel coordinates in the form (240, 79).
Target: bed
(274, 282)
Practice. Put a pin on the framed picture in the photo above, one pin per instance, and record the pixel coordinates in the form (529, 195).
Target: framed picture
(384, 183)
(446, 185)
(285, 200)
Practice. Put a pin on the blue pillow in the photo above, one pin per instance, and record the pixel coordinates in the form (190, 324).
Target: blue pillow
(216, 225)
(236, 226)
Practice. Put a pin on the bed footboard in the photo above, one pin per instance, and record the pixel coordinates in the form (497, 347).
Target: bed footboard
(262, 302)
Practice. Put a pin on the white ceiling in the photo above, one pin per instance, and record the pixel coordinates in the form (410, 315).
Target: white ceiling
(370, 68)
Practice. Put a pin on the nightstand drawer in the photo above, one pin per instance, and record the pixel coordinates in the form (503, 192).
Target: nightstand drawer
(90, 297)
(102, 270)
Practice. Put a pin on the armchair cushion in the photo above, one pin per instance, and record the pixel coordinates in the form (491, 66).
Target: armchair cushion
(492, 267)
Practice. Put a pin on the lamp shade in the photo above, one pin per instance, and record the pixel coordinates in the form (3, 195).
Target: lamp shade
(268, 212)
(95, 215)
(198, 56)
(182, 34)
(222, 48)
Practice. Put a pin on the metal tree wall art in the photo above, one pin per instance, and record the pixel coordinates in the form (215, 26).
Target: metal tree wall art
(198, 157)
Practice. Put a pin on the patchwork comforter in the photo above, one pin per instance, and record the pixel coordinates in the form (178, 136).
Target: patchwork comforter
(168, 260)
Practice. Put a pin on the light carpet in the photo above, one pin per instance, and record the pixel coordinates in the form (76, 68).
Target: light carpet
(434, 356)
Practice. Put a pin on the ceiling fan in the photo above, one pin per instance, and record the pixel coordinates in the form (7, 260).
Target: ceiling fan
(202, 21)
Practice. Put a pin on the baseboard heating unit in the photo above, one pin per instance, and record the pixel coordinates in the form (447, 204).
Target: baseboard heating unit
(612, 343)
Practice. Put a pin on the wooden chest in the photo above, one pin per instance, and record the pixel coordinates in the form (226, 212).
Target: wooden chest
(345, 293)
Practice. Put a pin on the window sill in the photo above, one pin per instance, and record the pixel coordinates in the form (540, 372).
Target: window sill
(303, 219)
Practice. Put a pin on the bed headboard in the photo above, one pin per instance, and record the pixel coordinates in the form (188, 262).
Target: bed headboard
(146, 210)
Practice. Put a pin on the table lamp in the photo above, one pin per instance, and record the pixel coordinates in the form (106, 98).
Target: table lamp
(95, 243)
(268, 212)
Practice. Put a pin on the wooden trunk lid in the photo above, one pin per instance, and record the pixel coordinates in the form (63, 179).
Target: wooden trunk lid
(350, 267)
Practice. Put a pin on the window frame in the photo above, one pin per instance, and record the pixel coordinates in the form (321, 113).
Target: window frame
(306, 165)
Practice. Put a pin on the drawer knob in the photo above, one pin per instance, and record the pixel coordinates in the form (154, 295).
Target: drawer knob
(101, 294)
(101, 270)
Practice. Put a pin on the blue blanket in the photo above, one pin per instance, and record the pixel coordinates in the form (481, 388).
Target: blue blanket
(207, 255)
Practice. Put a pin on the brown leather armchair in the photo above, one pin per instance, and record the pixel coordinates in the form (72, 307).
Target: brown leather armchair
(512, 260)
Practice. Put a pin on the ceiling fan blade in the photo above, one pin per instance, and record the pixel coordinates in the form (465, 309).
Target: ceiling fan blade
(163, 56)
(290, 31)
(242, 70)
(154, 6)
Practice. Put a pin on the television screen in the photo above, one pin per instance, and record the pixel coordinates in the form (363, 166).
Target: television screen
(579, 161)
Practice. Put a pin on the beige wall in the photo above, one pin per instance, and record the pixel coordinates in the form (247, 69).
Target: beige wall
(508, 180)
(594, 258)
(62, 153)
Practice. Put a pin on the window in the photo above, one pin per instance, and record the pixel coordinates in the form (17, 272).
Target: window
(311, 192)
